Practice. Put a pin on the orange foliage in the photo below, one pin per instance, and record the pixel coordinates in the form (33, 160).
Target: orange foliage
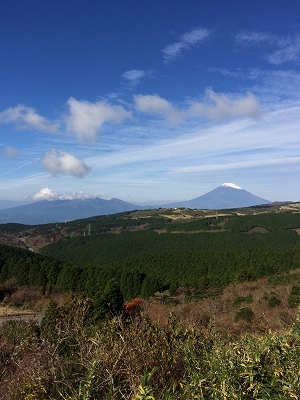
(133, 307)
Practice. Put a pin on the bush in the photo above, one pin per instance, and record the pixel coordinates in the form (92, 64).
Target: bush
(244, 313)
(294, 297)
(273, 300)
(242, 299)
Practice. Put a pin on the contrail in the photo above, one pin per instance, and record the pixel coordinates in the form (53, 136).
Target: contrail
(21, 166)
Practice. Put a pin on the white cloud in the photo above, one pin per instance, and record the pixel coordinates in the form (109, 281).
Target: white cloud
(45, 194)
(288, 53)
(187, 40)
(216, 106)
(262, 162)
(223, 106)
(250, 38)
(174, 50)
(285, 48)
(195, 36)
(275, 86)
(61, 162)
(49, 194)
(85, 119)
(11, 152)
(134, 76)
(27, 118)
(155, 104)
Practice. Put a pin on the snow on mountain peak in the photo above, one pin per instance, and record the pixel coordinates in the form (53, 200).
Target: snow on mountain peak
(231, 185)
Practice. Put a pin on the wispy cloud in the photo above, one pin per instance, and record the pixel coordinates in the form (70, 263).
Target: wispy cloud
(61, 162)
(20, 167)
(284, 48)
(134, 76)
(186, 42)
(255, 38)
(288, 53)
(261, 162)
(271, 86)
(10, 152)
(27, 118)
(275, 86)
(227, 146)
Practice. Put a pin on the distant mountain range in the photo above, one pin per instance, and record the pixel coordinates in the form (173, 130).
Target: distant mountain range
(225, 196)
(45, 212)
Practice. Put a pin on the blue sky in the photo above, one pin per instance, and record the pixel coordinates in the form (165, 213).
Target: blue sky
(149, 100)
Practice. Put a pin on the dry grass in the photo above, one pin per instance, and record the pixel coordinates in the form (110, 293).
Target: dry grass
(219, 314)
(6, 310)
(70, 359)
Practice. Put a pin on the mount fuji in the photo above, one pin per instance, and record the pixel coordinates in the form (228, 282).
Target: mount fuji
(225, 196)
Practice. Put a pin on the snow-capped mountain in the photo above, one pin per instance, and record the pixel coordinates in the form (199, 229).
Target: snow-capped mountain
(231, 185)
(227, 195)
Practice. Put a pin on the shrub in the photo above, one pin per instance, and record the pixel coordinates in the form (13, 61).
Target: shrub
(244, 313)
(294, 297)
(242, 299)
(134, 307)
(273, 300)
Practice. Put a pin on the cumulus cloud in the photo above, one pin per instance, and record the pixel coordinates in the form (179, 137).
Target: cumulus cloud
(27, 118)
(155, 104)
(10, 152)
(44, 194)
(187, 40)
(61, 162)
(223, 106)
(216, 106)
(49, 194)
(85, 119)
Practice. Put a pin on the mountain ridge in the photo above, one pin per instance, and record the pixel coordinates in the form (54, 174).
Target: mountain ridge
(45, 211)
(225, 196)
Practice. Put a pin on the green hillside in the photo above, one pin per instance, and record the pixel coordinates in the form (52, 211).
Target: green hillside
(202, 254)
(157, 250)
(28, 268)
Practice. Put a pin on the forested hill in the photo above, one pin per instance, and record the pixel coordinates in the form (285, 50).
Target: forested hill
(202, 254)
(28, 268)
(145, 252)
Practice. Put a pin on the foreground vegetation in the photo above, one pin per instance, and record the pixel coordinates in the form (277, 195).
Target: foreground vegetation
(70, 356)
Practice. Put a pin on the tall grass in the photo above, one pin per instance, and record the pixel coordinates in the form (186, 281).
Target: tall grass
(71, 357)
